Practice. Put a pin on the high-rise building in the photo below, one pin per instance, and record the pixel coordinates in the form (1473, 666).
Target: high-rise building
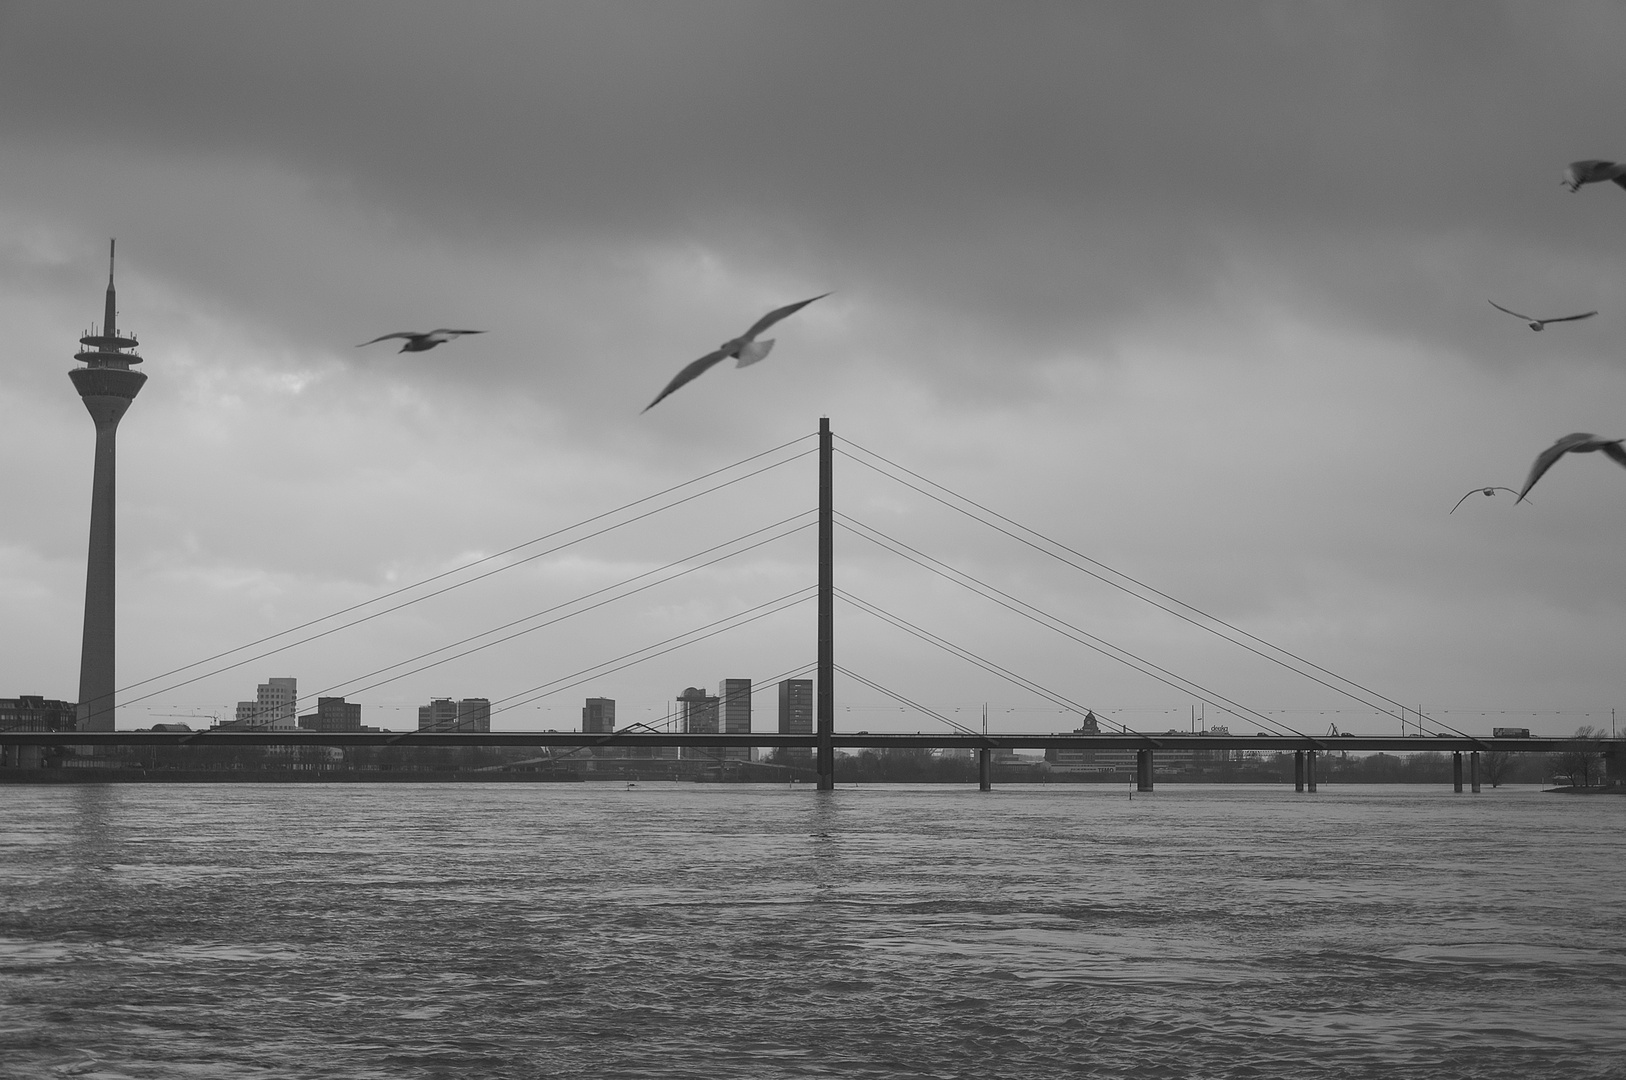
(107, 386)
(697, 715)
(697, 712)
(439, 715)
(474, 714)
(734, 709)
(598, 715)
(796, 707)
(333, 714)
(273, 707)
(444, 714)
(796, 715)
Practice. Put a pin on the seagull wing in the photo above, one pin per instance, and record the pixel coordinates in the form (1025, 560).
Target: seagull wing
(688, 374)
(1511, 312)
(1571, 318)
(401, 334)
(1482, 491)
(777, 314)
(450, 334)
(1613, 450)
(1550, 455)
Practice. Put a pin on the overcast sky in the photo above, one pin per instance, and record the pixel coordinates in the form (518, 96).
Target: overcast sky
(1197, 290)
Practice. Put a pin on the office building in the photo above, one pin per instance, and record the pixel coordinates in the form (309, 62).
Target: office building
(474, 714)
(273, 708)
(796, 716)
(598, 715)
(734, 714)
(333, 714)
(796, 707)
(697, 715)
(444, 714)
(30, 712)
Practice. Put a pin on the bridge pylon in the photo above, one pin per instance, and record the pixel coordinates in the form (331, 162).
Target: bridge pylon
(826, 703)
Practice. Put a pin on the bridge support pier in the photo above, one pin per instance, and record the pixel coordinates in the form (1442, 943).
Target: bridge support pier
(1473, 772)
(1309, 771)
(985, 769)
(1143, 770)
(1298, 770)
(1456, 771)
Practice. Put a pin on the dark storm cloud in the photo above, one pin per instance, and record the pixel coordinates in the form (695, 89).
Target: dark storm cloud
(1054, 165)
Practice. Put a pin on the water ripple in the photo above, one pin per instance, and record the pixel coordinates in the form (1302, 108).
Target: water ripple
(408, 931)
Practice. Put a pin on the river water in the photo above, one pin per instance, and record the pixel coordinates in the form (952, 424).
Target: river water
(667, 930)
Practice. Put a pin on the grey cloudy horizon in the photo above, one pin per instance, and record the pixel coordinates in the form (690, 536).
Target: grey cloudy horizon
(1200, 290)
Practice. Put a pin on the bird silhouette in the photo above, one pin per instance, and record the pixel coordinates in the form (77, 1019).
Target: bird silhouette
(745, 348)
(1592, 171)
(421, 342)
(1537, 324)
(1483, 491)
(1579, 443)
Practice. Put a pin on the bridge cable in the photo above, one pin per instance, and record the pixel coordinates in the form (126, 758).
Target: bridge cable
(553, 686)
(438, 592)
(1140, 584)
(987, 665)
(545, 611)
(964, 729)
(1101, 645)
(609, 736)
(488, 558)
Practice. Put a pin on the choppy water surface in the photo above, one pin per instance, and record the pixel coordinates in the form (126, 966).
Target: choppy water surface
(738, 931)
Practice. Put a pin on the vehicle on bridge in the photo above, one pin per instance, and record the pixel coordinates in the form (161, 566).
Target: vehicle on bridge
(1510, 733)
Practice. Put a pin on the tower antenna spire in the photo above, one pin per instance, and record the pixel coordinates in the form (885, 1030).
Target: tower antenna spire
(110, 314)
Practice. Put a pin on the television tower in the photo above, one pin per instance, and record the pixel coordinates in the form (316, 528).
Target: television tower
(107, 385)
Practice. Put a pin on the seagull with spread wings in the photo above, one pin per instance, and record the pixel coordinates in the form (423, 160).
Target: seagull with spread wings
(745, 348)
(1592, 171)
(421, 342)
(1579, 443)
(1537, 324)
(1482, 491)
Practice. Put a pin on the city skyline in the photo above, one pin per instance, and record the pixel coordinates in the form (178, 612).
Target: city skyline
(1228, 334)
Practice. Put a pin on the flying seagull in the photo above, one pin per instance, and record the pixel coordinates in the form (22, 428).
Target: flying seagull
(1537, 324)
(1579, 443)
(1482, 491)
(421, 342)
(1592, 171)
(745, 348)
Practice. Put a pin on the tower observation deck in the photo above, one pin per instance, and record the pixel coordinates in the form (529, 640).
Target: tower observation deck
(107, 384)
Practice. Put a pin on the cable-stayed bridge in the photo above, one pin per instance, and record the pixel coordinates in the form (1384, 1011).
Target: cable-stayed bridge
(1271, 732)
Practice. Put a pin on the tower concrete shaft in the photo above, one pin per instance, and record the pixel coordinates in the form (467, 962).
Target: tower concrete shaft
(107, 385)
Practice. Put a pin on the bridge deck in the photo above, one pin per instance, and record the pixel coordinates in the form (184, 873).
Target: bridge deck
(847, 740)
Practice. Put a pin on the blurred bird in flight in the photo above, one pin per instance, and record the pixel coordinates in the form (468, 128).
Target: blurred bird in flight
(1578, 443)
(1592, 171)
(1482, 491)
(745, 348)
(1537, 324)
(421, 342)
